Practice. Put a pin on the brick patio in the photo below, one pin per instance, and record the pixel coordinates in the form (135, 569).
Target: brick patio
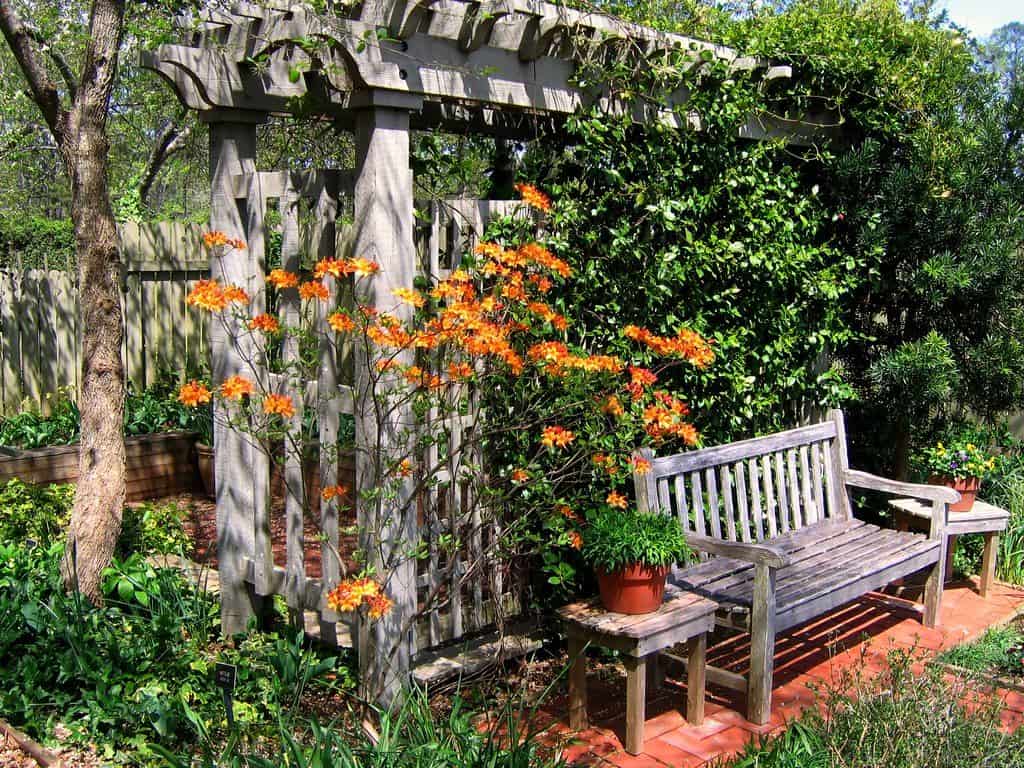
(813, 655)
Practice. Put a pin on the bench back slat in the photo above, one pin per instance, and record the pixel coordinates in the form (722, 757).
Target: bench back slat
(755, 489)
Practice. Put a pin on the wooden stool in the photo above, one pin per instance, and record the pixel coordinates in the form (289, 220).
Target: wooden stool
(983, 518)
(683, 617)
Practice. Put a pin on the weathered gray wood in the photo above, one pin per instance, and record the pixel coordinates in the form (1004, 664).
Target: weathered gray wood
(755, 553)
(384, 210)
(697, 495)
(817, 489)
(785, 514)
(762, 646)
(696, 673)
(636, 694)
(578, 719)
(745, 449)
(793, 490)
(937, 577)
(840, 463)
(232, 151)
(741, 501)
(858, 479)
(771, 501)
(833, 489)
(727, 495)
(644, 484)
(755, 498)
(683, 509)
(988, 563)
(809, 507)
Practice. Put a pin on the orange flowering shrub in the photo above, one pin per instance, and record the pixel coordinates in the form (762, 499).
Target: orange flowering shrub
(554, 422)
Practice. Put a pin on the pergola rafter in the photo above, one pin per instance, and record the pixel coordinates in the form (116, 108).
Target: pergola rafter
(490, 65)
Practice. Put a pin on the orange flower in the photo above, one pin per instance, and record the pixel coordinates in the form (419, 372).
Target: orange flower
(208, 295)
(612, 406)
(216, 239)
(280, 278)
(459, 371)
(279, 404)
(617, 500)
(314, 289)
(575, 540)
(557, 437)
(193, 394)
(566, 511)
(538, 254)
(641, 466)
(235, 295)
(341, 322)
(405, 468)
(409, 296)
(379, 605)
(333, 267)
(520, 476)
(686, 344)
(265, 323)
(235, 388)
(344, 597)
(534, 197)
(333, 491)
(364, 267)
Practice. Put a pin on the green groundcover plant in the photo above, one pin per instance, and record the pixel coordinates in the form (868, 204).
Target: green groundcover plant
(615, 539)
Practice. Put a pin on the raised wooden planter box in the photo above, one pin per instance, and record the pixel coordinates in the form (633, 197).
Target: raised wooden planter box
(157, 465)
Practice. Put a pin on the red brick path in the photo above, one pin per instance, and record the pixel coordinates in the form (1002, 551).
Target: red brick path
(856, 637)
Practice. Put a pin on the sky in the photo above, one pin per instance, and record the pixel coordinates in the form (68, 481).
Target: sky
(982, 16)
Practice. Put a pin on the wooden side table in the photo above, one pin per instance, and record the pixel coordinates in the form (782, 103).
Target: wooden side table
(683, 617)
(983, 518)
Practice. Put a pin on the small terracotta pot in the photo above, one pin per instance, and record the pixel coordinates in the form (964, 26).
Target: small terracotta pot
(967, 486)
(636, 589)
(204, 460)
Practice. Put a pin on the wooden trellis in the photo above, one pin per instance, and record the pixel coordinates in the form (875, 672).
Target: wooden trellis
(381, 68)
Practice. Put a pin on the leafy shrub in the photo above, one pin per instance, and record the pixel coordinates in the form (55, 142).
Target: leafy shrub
(897, 720)
(615, 539)
(412, 735)
(41, 513)
(37, 240)
(31, 429)
(138, 670)
(997, 651)
(37, 512)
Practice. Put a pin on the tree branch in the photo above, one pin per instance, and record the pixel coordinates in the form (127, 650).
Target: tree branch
(169, 141)
(57, 58)
(44, 92)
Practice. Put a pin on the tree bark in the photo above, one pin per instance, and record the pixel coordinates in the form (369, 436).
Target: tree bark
(80, 131)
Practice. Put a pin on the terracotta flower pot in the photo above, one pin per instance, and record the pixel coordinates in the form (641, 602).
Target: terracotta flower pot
(204, 459)
(636, 589)
(967, 486)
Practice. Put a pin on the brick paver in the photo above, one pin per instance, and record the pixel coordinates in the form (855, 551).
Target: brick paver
(853, 639)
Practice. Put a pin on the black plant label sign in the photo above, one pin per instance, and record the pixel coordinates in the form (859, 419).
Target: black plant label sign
(224, 676)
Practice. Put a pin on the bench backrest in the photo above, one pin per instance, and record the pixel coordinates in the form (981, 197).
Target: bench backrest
(754, 489)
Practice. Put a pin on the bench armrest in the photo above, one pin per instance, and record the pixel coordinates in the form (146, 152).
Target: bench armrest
(916, 490)
(758, 554)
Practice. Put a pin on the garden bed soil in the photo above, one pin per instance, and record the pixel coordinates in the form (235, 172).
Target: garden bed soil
(156, 465)
(201, 526)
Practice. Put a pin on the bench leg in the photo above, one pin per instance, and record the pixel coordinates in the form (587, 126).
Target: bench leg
(762, 646)
(933, 590)
(696, 671)
(988, 563)
(578, 719)
(636, 704)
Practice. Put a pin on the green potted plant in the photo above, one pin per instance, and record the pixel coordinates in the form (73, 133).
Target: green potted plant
(962, 466)
(631, 553)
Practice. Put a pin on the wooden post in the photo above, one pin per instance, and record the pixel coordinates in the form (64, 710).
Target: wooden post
(387, 521)
(578, 719)
(988, 563)
(636, 702)
(762, 646)
(696, 673)
(937, 577)
(241, 465)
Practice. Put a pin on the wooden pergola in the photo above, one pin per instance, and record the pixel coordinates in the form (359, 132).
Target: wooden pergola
(382, 68)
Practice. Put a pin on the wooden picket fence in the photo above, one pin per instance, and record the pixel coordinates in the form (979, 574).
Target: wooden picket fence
(39, 317)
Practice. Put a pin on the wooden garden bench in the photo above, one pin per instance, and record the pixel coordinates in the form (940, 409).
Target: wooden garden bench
(772, 522)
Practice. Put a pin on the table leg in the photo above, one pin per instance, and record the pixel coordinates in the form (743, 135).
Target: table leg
(988, 562)
(578, 719)
(695, 678)
(950, 551)
(636, 704)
